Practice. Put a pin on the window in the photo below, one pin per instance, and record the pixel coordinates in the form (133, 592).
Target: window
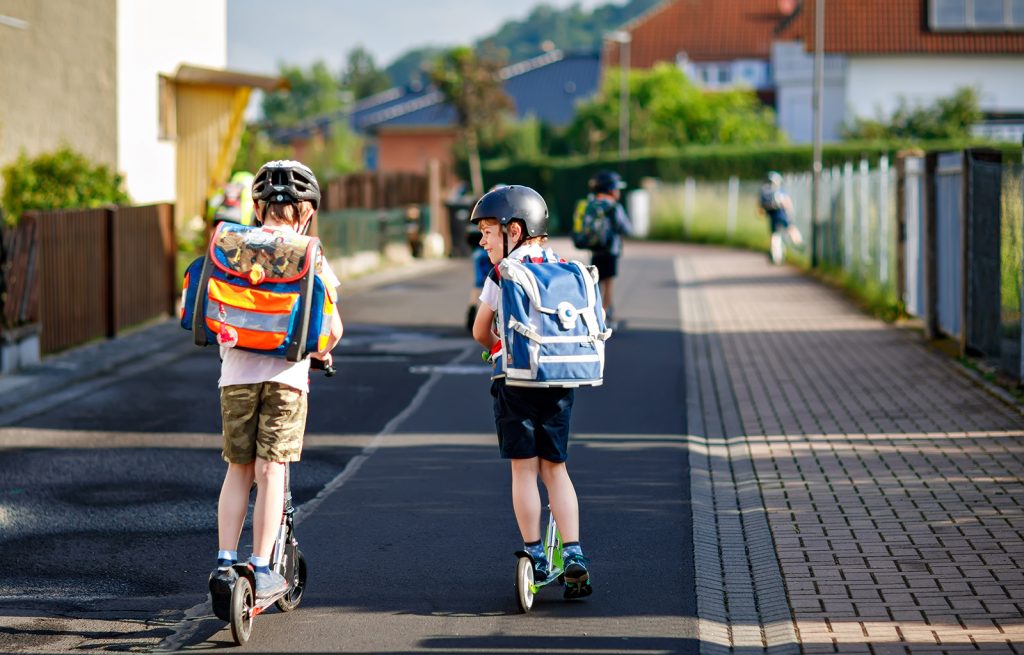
(975, 15)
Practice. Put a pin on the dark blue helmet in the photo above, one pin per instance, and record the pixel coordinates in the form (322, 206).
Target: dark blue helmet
(514, 203)
(606, 182)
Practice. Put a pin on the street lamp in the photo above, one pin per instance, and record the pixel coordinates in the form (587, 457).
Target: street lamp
(623, 38)
(819, 103)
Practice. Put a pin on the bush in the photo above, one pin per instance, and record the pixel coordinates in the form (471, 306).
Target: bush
(58, 180)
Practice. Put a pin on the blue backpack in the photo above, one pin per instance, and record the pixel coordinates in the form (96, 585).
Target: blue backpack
(552, 324)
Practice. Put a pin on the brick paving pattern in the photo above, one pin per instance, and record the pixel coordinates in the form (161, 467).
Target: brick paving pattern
(891, 484)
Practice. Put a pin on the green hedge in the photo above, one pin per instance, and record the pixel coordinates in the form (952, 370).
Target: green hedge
(563, 181)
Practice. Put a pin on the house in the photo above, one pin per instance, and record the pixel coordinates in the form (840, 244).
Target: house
(405, 128)
(878, 52)
(138, 86)
(719, 45)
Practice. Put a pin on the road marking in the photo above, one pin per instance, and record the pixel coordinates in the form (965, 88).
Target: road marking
(452, 369)
(194, 615)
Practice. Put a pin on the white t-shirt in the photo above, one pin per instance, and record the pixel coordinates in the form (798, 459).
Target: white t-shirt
(491, 293)
(243, 367)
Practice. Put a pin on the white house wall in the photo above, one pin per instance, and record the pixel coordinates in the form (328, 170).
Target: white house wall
(875, 84)
(154, 38)
(793, 73)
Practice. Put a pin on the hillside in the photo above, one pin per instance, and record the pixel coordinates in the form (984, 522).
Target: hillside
(571, 29)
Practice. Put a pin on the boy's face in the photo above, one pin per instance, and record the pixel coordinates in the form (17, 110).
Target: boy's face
(490, 239)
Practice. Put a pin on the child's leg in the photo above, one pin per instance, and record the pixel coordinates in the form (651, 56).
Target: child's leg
(233, 504)
(795, 236)
(562, 497)
(266, 515)
(526, 497)
(605, 284)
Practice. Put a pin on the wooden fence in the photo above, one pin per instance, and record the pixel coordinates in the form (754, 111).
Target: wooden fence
(90, 272)
(374, 190)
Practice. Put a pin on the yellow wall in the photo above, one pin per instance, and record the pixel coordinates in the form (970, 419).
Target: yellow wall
(58, 79)
(203, 119)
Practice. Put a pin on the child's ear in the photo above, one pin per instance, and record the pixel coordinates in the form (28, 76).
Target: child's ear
(515, 231)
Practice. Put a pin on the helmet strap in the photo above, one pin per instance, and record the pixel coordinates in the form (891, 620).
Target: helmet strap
(504, 239)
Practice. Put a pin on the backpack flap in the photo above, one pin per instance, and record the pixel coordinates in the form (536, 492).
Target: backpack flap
(553, 325)
(261, 291)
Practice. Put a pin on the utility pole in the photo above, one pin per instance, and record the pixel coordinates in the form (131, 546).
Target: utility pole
(623, 39)
(819, 103)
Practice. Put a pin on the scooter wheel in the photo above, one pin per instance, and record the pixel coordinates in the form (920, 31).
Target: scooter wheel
(524, 584)
(296, 586)
(243, 601)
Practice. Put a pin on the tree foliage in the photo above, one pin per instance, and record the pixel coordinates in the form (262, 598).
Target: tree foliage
(571, 29)
(949, 117)
(471, 83)
(59, 180)
(312, 93)
(361, 76)
(667, 110)
(413, 66)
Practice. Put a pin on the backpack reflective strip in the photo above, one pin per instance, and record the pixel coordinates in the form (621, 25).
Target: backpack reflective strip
(254, 339)
(247, 320)
(274, 302)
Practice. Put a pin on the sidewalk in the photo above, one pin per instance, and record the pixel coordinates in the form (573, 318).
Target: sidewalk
(63, 375)
(852, 492)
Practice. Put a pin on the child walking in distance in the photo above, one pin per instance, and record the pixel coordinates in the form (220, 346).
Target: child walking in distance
(532, 423)
(263, 399)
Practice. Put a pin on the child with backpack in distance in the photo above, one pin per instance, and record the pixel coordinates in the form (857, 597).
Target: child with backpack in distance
(598, 226)
(777, 204)
(263, 398)
(532, 410)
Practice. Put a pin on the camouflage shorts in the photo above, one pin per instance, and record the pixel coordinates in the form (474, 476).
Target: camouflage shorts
(266, 420)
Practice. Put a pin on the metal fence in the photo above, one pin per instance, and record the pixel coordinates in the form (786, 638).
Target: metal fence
(345, 233)
(942, 235)
(91, 272)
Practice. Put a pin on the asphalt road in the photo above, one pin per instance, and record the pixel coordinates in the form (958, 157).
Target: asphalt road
(107, 503)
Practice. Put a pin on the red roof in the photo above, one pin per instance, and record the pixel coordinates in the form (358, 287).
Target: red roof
(892, 26)
(706, 30)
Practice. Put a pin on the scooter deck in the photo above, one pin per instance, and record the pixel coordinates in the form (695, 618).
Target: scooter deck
(553, 576)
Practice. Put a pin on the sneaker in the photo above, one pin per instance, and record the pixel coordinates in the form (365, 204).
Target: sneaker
(541, 569)
(270, 584)
(577, 578)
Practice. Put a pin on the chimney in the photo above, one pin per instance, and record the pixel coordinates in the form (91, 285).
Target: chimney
(787, 7)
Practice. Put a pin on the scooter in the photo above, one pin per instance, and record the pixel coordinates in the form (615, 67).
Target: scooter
(233, 590)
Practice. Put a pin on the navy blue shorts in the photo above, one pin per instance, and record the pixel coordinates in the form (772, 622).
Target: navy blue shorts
(607, 264)
(779, 219)
(532, 422)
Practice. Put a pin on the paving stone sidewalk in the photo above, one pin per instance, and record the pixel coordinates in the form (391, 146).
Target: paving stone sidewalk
(853, 492)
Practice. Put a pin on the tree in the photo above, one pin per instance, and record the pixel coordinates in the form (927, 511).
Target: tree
(471, 83)
(949, 117)
(413, 66)
(361, 75)
(666, 109)
(311, 93)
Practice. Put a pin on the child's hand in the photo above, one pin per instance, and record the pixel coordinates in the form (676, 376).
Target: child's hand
(327, 358)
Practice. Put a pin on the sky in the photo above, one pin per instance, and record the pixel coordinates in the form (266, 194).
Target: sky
(262, 33)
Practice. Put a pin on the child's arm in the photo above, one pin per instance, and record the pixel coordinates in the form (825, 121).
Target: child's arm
(482, 326)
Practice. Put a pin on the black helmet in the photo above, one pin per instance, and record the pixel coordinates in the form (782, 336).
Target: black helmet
(514, 203)
(606, 182)
(279, 181)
